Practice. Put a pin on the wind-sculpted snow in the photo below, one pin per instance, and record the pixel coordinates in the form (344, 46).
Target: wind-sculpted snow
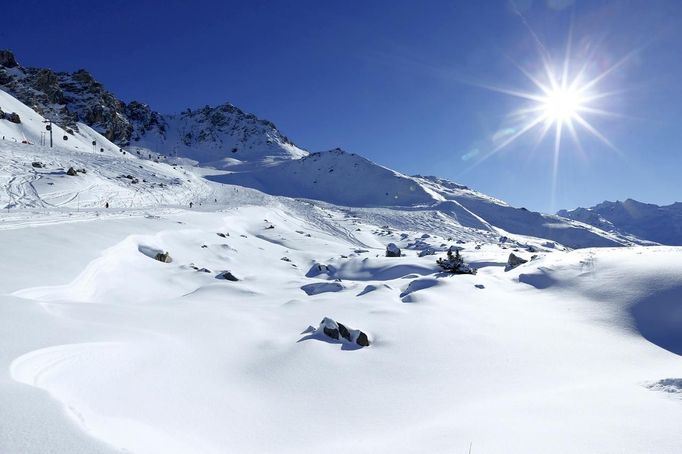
(367, 269)
(650, 299)
(321, 287)
(150, 357)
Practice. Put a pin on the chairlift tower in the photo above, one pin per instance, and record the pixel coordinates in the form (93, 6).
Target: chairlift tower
(49, 128)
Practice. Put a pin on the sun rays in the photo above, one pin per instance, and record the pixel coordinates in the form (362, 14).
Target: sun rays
(560, 105)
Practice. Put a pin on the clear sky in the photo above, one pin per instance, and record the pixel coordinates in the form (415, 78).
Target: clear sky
(404, 83)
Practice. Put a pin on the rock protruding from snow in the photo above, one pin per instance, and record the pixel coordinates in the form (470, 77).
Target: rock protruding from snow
(12, 117)
(163, 257)
(338, 331)
(513, 261)
(392, 250)
(668, 385)
(227, 276)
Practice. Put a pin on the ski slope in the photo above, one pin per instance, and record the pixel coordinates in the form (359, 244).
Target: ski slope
(112, 175)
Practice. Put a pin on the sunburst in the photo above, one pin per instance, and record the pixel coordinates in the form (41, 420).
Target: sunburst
(562, 102)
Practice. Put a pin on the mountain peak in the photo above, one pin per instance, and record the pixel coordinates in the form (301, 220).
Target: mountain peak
(648, 221)
(222, 134)
(7, 59)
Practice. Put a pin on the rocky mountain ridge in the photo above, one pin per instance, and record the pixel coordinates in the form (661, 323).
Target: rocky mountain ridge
(206, 134)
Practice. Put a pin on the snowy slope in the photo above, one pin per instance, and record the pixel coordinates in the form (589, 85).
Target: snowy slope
(336, 177)
(522, 221)
(35, 176)
(347, 179)
(660, 224)
(115, 351)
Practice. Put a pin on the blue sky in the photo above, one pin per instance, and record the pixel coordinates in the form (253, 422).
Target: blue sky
(403, 83)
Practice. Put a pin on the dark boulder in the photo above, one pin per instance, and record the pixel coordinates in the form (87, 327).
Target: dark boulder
(226, 275)
(344, 331)
(340, 332)
(331, 332)
(163, 257)
(362, 340)
(13, 118)
(392, 250)
(513, 261)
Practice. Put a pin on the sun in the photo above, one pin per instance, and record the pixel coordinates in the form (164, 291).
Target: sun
(562, 105)
(559, 102)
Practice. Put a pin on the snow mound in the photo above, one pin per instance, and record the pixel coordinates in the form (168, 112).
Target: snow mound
(321, 287)
(418, 284)
(369, 288)
(369, 269)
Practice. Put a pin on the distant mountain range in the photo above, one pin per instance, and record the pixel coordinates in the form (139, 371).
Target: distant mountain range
(253, 153)
(660, 224)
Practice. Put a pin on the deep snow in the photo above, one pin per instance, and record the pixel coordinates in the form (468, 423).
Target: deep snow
(102, 342)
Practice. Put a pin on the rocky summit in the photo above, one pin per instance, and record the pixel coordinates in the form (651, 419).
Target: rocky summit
(206, 134)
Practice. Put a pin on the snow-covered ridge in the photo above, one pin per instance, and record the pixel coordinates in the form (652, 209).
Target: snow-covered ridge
(346, 179)
(336, 177)
(660, 224)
